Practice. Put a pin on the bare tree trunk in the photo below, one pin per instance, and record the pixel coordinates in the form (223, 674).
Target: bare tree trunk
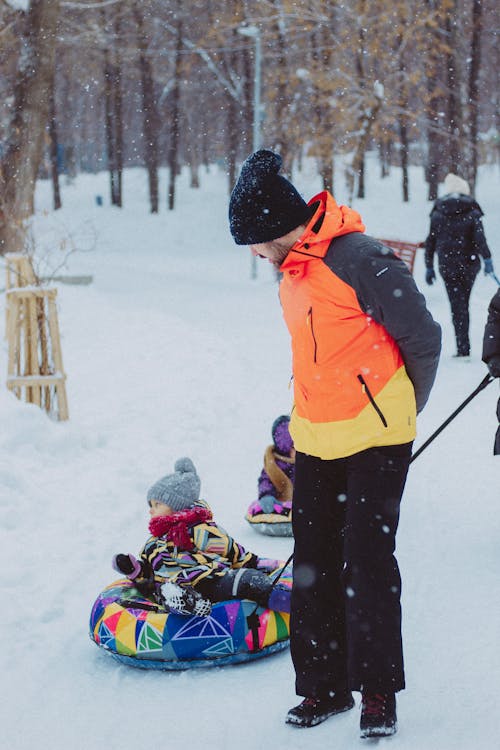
(108, 118)
(113, 108)
(194, 170)
(232, 140)
(327, 172)
(435, 154)
(365, 125)
(54, 149)
(403, 137)
(453, 109)
(384, 155)
(282, 95)
(174, 120)
(150, 112)
(234, 111)
(248, 103)
(322, 113)
(23, 149)
(118, 116)
(232, 121)
(358, 162)
(403, 114)
(475, 65)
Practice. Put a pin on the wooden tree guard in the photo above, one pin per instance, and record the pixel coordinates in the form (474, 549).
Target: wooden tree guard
(20, 272)
(35, 359)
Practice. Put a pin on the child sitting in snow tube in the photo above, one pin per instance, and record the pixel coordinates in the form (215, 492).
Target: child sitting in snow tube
(272, 513)
(188, 564)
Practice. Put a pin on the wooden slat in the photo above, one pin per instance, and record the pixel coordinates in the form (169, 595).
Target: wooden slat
(404, 250)
(31, 291)
(39, 380)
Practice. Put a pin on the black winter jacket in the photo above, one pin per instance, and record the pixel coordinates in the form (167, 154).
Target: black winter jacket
(491, 348)
(491, 342)
(456, 234)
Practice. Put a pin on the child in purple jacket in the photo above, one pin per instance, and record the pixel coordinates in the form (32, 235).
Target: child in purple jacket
(275, 483)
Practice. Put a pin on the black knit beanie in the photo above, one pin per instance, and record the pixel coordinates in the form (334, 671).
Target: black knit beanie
(264, 205)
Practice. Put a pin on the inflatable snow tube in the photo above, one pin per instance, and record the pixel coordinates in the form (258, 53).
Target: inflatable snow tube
(135, 631)
(278, 522)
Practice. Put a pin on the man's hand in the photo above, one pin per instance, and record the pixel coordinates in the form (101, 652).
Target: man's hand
(494, 366)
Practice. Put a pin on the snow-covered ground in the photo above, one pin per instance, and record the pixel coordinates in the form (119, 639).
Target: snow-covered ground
(174, 350)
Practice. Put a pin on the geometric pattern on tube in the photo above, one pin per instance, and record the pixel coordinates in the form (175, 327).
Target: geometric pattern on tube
(133, 629)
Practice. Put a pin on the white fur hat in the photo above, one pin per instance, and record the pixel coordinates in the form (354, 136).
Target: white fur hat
(455, 184)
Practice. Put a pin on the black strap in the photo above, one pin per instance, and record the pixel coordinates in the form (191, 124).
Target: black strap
(132, 604)
(486, 381)
(275, 580)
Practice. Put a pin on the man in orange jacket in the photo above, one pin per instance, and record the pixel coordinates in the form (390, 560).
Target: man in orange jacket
(365, 353)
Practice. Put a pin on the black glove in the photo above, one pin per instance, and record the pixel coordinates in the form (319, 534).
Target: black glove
(128, 565)
(494, 366)
(430, 276)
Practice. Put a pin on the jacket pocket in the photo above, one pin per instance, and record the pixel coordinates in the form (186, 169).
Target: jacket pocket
(372, 400)
(311, 326)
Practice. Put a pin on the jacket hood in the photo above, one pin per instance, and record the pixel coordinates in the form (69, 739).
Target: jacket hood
(456, 203)
(328, 221)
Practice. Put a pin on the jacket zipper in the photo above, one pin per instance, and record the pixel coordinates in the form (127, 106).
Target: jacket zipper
(310, 321)
(372, 400)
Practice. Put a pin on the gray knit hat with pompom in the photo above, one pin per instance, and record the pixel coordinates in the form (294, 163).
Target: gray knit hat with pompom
(179, 490)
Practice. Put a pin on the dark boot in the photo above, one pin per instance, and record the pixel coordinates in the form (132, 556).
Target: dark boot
(378, 715)
(313, 711)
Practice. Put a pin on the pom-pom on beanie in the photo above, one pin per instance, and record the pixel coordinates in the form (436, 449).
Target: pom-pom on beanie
(455, 184)
(264, 205)
(179, 490)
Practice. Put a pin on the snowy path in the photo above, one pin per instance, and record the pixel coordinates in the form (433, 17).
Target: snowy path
(173, 350)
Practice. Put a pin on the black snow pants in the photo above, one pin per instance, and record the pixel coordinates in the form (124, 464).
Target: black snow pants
(345, 611)
(459, 285)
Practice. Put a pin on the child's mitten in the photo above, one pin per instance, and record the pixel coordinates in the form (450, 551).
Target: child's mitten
(128, 565)
(183, 600)
(267, 503)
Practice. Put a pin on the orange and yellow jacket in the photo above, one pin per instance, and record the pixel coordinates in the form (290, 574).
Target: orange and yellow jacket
(365, 348)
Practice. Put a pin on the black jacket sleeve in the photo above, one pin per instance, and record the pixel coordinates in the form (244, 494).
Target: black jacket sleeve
(491, 341)
(387, 292)
(478, 238)
(430, 242)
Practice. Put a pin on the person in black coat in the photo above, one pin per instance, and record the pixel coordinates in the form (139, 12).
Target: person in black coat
(456, 235)
(491, 352)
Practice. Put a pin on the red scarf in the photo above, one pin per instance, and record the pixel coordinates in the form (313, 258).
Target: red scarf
(176, 527)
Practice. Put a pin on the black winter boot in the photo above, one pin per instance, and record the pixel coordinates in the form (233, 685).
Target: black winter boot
(313, 711)
(378, 715)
